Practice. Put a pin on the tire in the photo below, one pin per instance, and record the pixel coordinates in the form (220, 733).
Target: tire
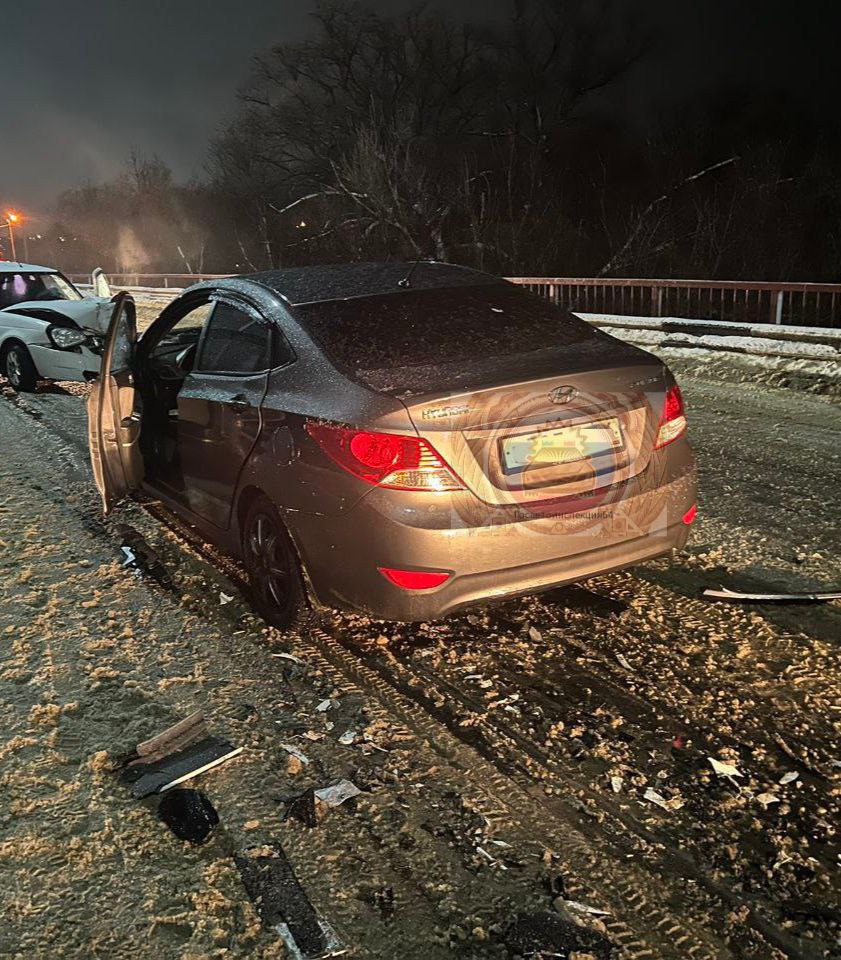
(19, 369)
(273, 568)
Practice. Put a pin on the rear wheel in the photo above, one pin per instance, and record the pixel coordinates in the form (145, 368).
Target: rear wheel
(19, 369)
(272, 565)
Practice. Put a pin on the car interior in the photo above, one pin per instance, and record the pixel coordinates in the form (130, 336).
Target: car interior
(206, 335)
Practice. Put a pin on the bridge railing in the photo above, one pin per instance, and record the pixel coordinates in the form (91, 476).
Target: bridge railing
(797, 304)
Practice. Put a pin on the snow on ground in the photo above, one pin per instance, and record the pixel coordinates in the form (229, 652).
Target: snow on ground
(512, 758)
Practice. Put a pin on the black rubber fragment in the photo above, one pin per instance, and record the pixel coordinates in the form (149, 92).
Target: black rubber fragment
(279, 898)
(189, 814)
(302, 808)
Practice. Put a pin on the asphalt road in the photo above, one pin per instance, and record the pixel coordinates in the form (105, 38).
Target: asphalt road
(515, 760)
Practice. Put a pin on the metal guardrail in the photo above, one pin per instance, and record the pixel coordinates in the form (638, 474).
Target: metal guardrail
(798, 304)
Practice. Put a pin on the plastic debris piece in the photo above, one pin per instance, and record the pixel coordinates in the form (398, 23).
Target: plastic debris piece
(817, 597)
(616, 784)
(189, 814)
(161, 775)
(578, 907)
(348, 737)
(789, 777)
(535, 635)
(337, 794)
(724, 769)
(295, 752)
(130, 557)
(284, 906)
(325, 705)
(654, 797)
(766, 799)
(224, 598)
(624, 663)
(287, 656)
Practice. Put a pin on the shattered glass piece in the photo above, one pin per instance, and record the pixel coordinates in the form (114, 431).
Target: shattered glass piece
(189, 814)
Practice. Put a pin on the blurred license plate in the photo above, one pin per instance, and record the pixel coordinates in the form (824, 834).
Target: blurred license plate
(565, 445)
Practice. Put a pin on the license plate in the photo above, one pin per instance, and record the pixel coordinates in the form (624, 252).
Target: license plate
(564, 445)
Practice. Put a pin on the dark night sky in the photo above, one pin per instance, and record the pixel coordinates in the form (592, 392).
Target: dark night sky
(83, 83)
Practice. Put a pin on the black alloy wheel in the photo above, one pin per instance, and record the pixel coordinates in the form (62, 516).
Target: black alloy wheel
(272, 565)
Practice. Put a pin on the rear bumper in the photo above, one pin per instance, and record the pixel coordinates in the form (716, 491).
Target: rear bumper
(489, 559)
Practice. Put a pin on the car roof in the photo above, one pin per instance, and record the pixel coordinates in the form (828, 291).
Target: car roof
(344, 281)
(12, 266)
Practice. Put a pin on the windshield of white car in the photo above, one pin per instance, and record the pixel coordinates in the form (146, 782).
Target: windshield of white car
(22, 287)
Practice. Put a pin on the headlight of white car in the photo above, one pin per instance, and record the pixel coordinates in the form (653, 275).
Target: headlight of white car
(66, 337)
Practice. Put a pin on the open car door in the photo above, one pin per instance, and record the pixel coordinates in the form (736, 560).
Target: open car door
(113, 419)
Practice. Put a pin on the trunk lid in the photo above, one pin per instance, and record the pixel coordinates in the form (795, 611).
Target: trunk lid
(544, 427)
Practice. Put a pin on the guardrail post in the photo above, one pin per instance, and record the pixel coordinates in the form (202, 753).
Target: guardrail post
(777, 307)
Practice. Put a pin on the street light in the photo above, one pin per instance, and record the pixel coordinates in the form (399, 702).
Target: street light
(12, 218)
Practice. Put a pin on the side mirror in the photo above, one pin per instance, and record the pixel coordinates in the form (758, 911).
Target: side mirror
(99, 282)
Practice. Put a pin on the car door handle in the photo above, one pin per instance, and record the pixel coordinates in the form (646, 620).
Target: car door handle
(239, 402)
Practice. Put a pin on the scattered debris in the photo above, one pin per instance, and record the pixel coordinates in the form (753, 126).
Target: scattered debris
(325, 705)
(295, 752)
(491, 859)
(283, 904)
(535, 635)
(189, 814)
(789, 777)
(654, 797)
(348, 737)
(224, 598)
(287, 656)
(616, 784)
(338, 793)
(624, 663)
(766, 799)
(818, 597)
(578, 907)
(724, 769)
(158, 776)
(130, 558)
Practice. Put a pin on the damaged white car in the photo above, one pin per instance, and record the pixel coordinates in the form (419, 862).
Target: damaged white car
(48, 329)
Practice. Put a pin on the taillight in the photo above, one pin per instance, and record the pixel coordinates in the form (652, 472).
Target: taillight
(690, 515)
(673, 420)
(415, 579)
(385, 459)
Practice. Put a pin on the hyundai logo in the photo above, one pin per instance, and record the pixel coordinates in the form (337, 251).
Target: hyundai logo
(563, 394)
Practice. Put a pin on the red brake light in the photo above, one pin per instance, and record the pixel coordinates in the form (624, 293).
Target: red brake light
(415, 579)
(385, 459)
(673, 421)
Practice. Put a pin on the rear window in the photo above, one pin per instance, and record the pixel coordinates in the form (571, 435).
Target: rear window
(438, 327)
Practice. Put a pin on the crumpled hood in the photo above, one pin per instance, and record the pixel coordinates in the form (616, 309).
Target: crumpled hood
(92, 313)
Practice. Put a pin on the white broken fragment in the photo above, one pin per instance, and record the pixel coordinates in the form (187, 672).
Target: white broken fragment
(287, 656)
(654, 797)
(624, 663)
(295, 752)
(724, 769)
(347, 738)
(789, 777)
(130, 557)
(224, 598)
(616, 784)
(324, 706)
(535, 634)
(338, 793)
(766, 799)
(579, 907)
